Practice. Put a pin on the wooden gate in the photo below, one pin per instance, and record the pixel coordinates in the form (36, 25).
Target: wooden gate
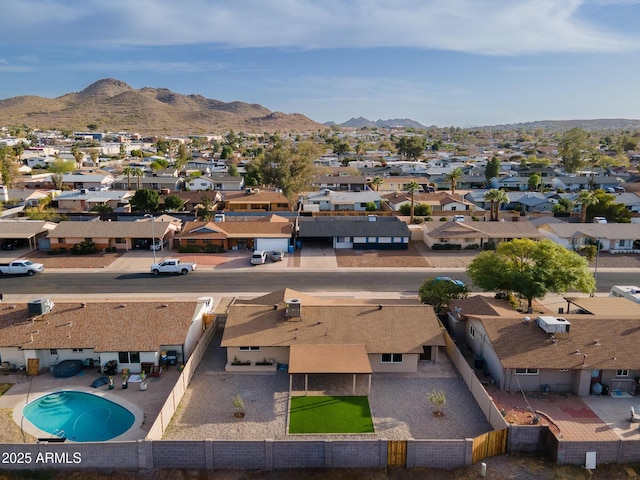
(489, 444)
(397, 453)
(33, 366)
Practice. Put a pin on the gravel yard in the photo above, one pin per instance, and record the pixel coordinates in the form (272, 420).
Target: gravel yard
(399, 405)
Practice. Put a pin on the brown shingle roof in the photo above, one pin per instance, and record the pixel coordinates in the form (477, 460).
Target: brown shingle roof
(482, 229)
(267, 229)
(23, 228)
(526, 345)
(105, 327)
(391, 329)
(109, 229)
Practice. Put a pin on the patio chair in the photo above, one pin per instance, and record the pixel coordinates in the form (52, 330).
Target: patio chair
(635, 417)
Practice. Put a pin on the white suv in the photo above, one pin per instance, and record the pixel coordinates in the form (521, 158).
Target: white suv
(259, 257)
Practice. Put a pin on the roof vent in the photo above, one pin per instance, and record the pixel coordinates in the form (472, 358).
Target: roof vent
(40, 306)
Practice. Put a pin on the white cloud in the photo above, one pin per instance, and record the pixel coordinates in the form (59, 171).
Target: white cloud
(475, 26)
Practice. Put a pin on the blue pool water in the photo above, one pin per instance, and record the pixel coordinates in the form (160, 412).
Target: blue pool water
(78, 416)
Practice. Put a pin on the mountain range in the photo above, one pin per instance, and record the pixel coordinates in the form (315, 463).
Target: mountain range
(113, 105)
(363, 122)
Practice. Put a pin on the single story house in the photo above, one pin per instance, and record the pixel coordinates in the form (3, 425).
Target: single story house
(194, 201)
(84, 200)
(153, 183)
(129, 333)
(388, 336)
(256, 200)
(238, 233)
(476, 234)
(72, 181)
(613, 237)
(30, 231)
(224, 183)
(329, 201)
(359, 233)
(571, 352)
(439, 202)
(354, 183)
(121, 235)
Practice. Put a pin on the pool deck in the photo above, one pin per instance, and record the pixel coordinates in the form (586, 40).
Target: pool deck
(145, 405)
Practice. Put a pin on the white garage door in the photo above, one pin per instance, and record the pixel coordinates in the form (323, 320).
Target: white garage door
(271, 244)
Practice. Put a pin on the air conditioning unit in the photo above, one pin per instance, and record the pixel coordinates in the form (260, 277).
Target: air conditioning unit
(40, 306)
(553, 324)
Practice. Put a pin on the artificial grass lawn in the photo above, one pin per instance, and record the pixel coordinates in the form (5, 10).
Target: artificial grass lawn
(330, 415)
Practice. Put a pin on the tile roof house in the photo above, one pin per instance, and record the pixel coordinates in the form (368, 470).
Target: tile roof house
(238, 233)
(359, 233)
(613, 237)
(476, 234)
(131, 333)
(391, 336)
(568, 353)
(119, 235)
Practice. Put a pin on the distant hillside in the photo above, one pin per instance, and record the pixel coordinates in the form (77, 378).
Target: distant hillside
(564, 125)
(115, 106)
(361, 122)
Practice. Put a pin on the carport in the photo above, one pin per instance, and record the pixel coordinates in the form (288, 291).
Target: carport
(328, 359)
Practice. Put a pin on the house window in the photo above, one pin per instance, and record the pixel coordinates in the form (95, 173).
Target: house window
(391, 358)
(191, 240)
(129, 357)
(62, 240)
(206, 240)
(622, 243)
(53, 351)
(77, 349)
(622, 373)
(472, 331)
(453, 208)
(120, 240)
(249, 349)
(88, 240)
(526, 371)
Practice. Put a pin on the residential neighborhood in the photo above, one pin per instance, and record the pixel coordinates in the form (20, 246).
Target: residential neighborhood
(157, 352)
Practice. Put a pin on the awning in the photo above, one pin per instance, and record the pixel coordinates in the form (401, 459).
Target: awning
(341, 358)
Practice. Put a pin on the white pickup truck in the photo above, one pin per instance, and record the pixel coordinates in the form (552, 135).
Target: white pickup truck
(21, 267)
(173, 265)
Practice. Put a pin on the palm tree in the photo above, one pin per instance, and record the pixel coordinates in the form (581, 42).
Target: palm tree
(453, 177)
(412, 187)
(138, 173)
(497, 197)
(585, 199)
(128, 171)
(377, 181)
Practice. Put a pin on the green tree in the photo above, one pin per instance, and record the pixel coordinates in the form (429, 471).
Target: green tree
(145, 200)
(138, 173)
(492, 170)
(452, 177)
(572, 148)
(585, 200)
(377, 181)
(173, 202)
(411, 147)
(534, 181)
(122, 154)
(128, 171)
(233, 170)
(289, 167)
(532, 269)
(183, 156)
(564, 205)
(7, 166)
(227, 151)
(61, 166)
(419, 209)
(371, 207)
(92, 127)
(496, 197)
(606, 207)
(412, 187)
(102, 208)
(341, 148)
(438, 293)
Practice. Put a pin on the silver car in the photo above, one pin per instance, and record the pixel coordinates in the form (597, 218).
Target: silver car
(277, 256)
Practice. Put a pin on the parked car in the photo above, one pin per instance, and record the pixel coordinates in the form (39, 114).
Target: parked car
(141, 243)
(259, 257)
(159, 246)
(277, 256)
(12, 244)
(173, 265)
(460, 283)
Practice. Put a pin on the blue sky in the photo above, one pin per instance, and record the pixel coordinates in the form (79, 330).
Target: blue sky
(440, 62)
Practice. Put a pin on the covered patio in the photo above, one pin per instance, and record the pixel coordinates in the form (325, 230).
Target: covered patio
(340, 359)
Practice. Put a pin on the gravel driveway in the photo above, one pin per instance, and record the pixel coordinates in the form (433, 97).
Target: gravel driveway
(398, 402)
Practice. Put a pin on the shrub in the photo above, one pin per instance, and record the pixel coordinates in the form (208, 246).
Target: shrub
(475, 219)
(213, 249)
(489, 246)
(472, 246)
(57, 251)
(443, 219)
(418, 220)
(86, 247)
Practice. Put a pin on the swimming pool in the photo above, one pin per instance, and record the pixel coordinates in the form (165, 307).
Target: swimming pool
(79, 416)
